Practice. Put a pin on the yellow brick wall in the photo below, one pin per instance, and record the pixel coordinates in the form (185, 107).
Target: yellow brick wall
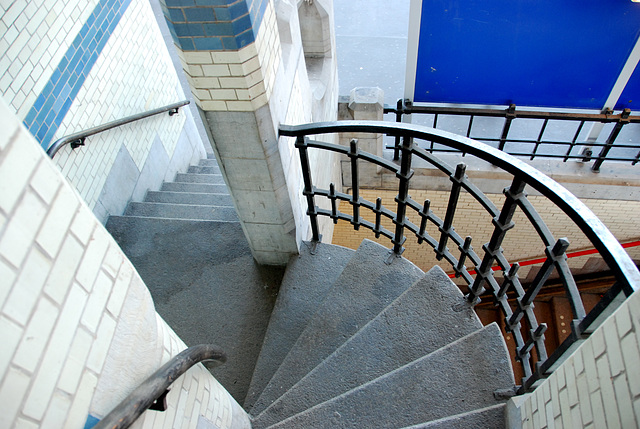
(521, 243)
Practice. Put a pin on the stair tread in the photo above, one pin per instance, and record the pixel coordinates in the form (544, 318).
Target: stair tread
(194, 187)
(212, 179)
(343, 312)
(181, 211)
(203, 169)
(195, 198)
(483, 418)
(418, 322)
(306, 282)
(455, 379)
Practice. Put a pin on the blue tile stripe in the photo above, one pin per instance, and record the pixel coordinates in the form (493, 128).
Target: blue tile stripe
(53, 103)
(214, 25)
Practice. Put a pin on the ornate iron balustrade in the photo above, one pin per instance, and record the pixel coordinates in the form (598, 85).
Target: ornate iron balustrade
(404, 107)
(528, 336)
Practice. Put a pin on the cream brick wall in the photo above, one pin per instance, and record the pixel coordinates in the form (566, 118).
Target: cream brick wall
(34, 36)
(596, 387)
(75, 317)
(133, 74)
(240, 81)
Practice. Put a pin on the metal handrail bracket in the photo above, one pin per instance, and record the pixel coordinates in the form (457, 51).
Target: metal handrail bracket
(77, 139)
(151, 394)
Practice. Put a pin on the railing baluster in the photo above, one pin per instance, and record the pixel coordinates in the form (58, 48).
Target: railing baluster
(332, 198)
(508, 280)
(424, 215)
(502, 223)
(435, 125)
(396, 146)
(624, 119)
(573, 142)
(553, 254)
(378, 212)
(355, 189)
(464, 253)
(446, 229)
(403, 193)
(509, 116)
(301, 144)
(535, 148)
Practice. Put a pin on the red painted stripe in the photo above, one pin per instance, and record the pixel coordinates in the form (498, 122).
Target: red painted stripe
(569, 255)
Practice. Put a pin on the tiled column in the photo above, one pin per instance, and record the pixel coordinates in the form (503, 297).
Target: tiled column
(231, 54)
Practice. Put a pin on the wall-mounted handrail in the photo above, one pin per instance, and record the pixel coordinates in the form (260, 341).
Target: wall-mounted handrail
(155, 387)
(520, 319)
(77, 139)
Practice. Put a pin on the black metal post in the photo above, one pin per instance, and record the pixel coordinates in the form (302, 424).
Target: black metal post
(396, 146)
(502, 223)
(403, 193)
(355, 189)
(301, 144)
(446, 230)
(509, 116)
(624, 119)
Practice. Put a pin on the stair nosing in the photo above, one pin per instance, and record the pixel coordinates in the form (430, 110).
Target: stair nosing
(173, 218)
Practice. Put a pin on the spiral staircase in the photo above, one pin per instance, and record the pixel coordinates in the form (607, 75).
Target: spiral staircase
(354, 342)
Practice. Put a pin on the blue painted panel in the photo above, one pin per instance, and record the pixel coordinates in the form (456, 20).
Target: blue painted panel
(532, 53)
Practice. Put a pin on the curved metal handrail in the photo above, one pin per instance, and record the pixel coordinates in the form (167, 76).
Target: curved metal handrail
(623, 268)
(77, 139)
(155, 387)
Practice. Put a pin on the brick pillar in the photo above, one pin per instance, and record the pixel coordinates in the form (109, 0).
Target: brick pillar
(231, 52)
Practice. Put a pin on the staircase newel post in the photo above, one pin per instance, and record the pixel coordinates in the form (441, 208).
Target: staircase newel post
(301, 144)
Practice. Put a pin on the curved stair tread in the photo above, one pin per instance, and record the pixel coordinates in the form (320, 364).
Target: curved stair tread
(455, 379)
(364, 288)
(418, 322)
(483, 418)
(305, 284)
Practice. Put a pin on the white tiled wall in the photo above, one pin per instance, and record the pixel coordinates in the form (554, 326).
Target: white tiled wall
(69, 300)
(133, 74)
(599, 385)
(34, 36)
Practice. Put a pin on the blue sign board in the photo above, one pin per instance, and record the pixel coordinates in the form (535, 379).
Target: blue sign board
(545, 53)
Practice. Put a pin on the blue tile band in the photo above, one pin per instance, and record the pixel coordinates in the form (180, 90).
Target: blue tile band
(53, 103)
(214, 25)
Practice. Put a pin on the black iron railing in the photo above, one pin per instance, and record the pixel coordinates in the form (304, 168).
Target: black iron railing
(78, 139)
(456, 250)
(152, 393)
(559, 149)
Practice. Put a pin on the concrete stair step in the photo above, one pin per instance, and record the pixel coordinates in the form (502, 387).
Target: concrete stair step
(429, 315)
(364, 288)
(199, 169)
(483, 418)
(208, 162)
(202, 275)
(194, 198)
(212, 179)
(194, 187)
(182, 211)
(455, 379)
(307, 280)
